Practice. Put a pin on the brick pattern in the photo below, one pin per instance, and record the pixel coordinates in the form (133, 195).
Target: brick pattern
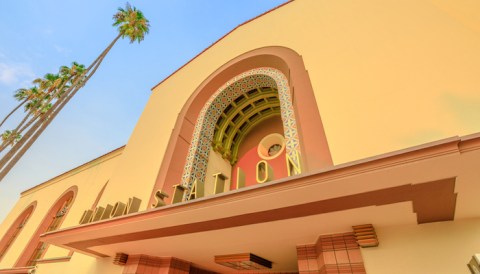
(332, 254)
(365, 235)
(307, 258)
(143, 264)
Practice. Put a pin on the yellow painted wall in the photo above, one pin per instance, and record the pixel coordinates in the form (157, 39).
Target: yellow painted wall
(424, 249)
(386, 75)
(89, 179)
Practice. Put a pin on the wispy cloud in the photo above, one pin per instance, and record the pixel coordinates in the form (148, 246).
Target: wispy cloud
(47, 31)
(62, 50)
(14, 74)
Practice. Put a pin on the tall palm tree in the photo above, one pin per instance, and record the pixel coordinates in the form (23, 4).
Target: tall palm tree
(131, 23)
(51, 87)
(40, 98)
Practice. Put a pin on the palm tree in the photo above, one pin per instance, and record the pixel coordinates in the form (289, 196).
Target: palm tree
(23, 95)
(131, 23)
(10, 137)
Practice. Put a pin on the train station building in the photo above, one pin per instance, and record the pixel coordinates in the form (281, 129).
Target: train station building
(320, 137)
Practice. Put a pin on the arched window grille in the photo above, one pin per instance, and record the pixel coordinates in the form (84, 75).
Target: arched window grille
(54, 224)
(36, 249)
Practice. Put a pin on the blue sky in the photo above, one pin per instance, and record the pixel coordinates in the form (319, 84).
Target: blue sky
(37, 37)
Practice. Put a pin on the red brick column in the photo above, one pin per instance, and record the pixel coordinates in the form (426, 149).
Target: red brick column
(307, 259)
(143, 264)
(332, 254)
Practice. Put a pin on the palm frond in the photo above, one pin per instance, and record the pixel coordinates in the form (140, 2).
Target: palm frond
(131, 23)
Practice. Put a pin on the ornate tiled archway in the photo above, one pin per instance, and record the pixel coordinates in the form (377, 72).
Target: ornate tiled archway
(311, 132)
(197, 158)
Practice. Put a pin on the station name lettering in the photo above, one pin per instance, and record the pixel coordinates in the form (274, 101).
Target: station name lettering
(110, 211)
(264, 173)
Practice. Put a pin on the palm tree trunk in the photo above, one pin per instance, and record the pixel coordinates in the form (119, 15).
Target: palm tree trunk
(105, 51)
(13, 111)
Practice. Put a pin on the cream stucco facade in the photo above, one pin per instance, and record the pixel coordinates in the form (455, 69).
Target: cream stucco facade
(387, 77)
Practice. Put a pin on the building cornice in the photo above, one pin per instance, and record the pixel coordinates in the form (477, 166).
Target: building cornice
(105, 157)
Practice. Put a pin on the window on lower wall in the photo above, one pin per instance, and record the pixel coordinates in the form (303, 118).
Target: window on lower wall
(35, 249)
(54, 225)
(14, 230)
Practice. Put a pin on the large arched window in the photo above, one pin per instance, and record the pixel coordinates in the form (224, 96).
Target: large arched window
(232, 111)
(15, 229)
(55, 216)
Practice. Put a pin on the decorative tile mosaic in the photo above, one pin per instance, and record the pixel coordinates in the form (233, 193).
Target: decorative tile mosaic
(197, 158)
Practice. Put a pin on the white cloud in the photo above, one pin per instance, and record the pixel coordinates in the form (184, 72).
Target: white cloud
(12, 74)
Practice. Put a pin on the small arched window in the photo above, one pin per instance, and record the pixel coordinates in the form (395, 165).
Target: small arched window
(54, 224)
(15, 229)
(36, 249)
